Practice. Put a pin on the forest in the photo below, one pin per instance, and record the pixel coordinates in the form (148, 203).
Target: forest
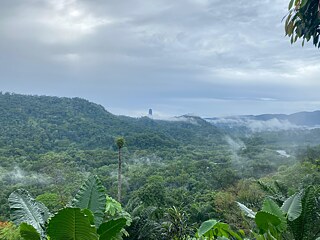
(182, 179)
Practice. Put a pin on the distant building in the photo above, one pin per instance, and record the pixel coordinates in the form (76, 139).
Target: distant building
(150, 112)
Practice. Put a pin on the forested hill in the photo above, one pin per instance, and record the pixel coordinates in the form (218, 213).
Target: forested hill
(42, 123)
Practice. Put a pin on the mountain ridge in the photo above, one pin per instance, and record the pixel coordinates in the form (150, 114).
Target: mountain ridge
(304, 118)
(45, 121)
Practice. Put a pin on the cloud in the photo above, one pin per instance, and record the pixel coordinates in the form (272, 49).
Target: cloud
(256, 125)
(132, 55)
(17, 175)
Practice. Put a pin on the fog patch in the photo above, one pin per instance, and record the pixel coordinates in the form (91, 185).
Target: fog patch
(18, 175)
(271, 125)
(146, 160)
(283, 153)
(192, 119)
(255, 125)
(235, 145)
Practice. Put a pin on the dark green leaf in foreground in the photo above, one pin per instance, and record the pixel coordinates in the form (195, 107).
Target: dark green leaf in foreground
(92, 196)
(111, 229)
(28, 232)
(264, 219)
(271, 207)
(71, 224)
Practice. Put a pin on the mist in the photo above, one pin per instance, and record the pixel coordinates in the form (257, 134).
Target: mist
(20, 176)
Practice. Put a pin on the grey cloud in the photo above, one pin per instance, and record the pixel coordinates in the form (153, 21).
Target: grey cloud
(157, 53)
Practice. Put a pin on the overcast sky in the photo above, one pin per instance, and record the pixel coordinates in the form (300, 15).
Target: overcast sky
(206, 57)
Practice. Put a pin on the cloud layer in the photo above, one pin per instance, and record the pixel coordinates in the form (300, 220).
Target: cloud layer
(210, 58)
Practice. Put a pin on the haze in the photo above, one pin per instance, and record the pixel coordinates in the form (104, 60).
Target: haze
(209, 58)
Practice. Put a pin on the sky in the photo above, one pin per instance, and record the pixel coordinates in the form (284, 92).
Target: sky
(203, 57)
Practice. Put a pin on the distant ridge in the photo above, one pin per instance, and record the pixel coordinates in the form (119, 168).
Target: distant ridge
(309, 119)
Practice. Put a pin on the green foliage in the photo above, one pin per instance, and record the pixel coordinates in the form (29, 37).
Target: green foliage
(212, 229)
(26, 210)
(28, 232)
(293, 207)
(145, 222)
(300, 212)
(50, 200)
(112, 207)
(270, 206)
(306, 226)
(176, 224)
(92, 196)
(8, 231)
(266, 221)
(110, 230)
(49, 145)
(303, 21)
(71, 223)
(206, 227)
(120, 142)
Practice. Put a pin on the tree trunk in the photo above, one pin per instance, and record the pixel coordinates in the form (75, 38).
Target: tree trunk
(119, 176)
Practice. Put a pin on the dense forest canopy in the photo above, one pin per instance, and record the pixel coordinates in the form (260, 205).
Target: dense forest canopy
(176, 174)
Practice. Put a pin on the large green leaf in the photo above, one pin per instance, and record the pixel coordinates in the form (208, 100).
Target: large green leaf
(25, 209)
(293, 206)
(264, 219)
(111, 229)
(206, 227)
(92, 196)
(71, 224)
(271, 207)
(303, 3)
(224, 230)
(28, 232)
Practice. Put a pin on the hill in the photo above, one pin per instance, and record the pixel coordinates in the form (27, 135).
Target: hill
(49, 145)
(42, 123)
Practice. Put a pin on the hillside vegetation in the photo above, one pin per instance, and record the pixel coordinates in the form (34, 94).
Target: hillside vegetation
(176, 174)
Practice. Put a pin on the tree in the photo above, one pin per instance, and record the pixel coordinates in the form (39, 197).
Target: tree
(120, 143)
(303, 21)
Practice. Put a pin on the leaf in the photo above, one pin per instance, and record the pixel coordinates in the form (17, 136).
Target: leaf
(71, 224)
(111, 229)
(89, 214)
(263, 219)
(28, 232)
(271, 207)
(225, 230)
(113, 207)
(25, 209)
(293, 207)
(247, 211)
(290, 4)
(206, 227)
(46, 213)
(303, 3)
(290, 27)
(92, 196)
